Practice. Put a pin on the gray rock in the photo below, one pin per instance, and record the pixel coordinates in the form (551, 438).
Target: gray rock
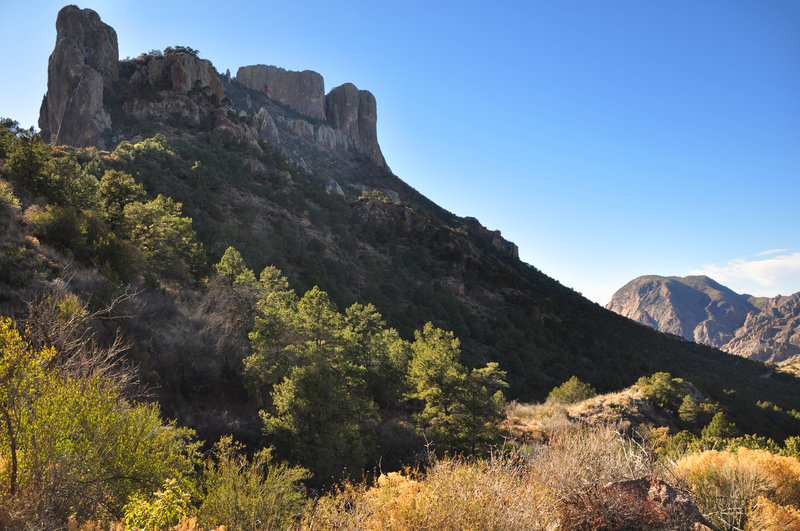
(179, 72)
(267, 129)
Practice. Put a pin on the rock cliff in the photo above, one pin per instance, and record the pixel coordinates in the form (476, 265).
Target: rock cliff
(699, 309)
(343, 121)
(92, 96)
(302, 91)
(83, 68)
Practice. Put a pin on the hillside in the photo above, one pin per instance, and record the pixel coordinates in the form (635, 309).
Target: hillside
(701, 310)
(269, 164)
(220, 307)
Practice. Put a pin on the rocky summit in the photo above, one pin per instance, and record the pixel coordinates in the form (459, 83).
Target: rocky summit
(92, 97)
(699, 309)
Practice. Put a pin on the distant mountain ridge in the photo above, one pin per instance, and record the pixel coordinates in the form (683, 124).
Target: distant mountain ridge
(700, 309)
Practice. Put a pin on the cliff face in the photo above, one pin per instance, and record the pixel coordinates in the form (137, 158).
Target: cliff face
(302, 91)
(83, 68)
(701, 310)
(355, 113)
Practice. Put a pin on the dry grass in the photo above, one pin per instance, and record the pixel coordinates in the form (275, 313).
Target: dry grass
(186, 524)
(727, 485)
(453, 494)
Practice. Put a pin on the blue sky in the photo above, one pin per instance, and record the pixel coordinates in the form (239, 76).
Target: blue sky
(607, 139)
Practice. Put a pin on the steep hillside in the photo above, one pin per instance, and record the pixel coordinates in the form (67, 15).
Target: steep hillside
(268, 163)
(701, 310)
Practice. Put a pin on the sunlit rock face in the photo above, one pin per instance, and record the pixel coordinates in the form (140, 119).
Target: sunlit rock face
(699, 309)
(355, 113)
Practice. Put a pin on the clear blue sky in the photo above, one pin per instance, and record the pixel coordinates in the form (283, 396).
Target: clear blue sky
(607, 139)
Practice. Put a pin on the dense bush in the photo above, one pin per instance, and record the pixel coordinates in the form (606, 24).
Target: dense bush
(63, 435)
(662, 389)
(244, 495)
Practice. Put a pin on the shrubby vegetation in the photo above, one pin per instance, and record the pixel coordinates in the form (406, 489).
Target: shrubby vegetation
(572, 391)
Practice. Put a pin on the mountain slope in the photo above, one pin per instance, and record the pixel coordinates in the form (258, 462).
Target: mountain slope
(700, 309)
(267, 167)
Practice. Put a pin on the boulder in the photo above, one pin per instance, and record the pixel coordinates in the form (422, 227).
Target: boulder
(82, 69)
(303, 91)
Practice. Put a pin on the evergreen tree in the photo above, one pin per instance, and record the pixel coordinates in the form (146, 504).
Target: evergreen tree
(459, 408)
(118, 189)
(232, 269)
(720, 427)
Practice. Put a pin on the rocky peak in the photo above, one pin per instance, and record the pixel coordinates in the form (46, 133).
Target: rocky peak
(343, 121)
(699, 309)
(83, 66)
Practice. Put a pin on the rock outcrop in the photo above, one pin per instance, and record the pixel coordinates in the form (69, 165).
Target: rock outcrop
(87, 84)
(343, 122)
(179, 72)
(302, 91)
(355, 113)
(494, 236)
(82, 69)
(702, 310)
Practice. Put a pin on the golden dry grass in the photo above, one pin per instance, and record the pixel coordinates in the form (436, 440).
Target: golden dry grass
(727, 485)
(453, 494)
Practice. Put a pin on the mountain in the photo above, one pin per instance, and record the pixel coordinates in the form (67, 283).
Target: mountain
(267, 162)
(699, 309)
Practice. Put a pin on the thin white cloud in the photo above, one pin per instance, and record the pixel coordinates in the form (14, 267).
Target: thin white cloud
(772, 251)
(780, 270)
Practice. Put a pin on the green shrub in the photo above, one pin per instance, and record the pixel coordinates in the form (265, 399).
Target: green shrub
(662, 389)
(7, 198)
(721, 427)
(257, 494)
(571, 391)
(61, 227)
(166, 508)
